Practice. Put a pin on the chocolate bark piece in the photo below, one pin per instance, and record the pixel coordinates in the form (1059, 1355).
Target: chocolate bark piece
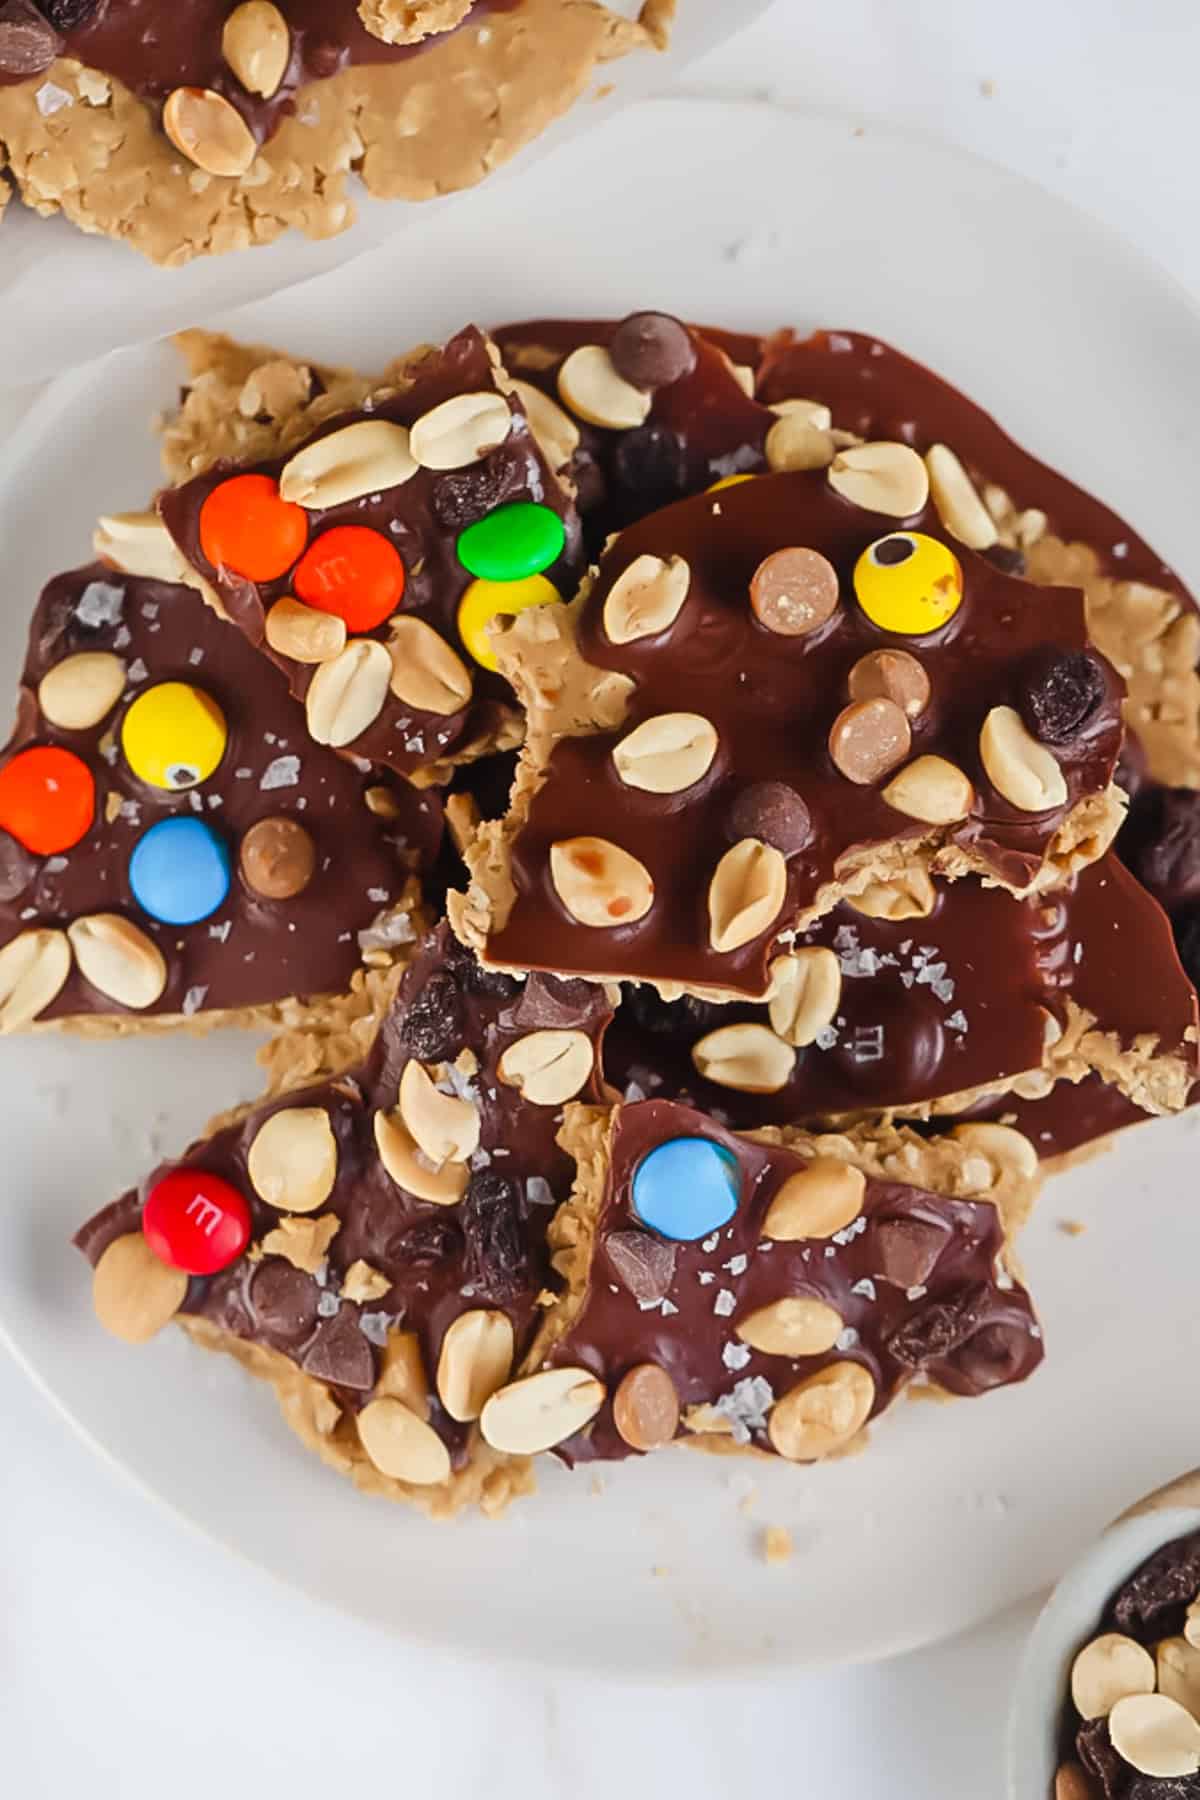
(753, 1311)
(437, 705)
(667, 622)
(1140, 615)
(277, 115)
(350, 1300)
(102, 644)
(936, 1014)
(700, 427)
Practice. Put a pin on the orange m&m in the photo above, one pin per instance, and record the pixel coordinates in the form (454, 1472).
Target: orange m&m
(246, 527)
(353, 572)
(47, 799)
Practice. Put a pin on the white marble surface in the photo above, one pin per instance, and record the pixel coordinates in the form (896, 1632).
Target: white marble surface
(136, 1659)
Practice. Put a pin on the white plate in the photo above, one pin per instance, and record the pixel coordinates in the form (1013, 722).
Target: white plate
(747, 217)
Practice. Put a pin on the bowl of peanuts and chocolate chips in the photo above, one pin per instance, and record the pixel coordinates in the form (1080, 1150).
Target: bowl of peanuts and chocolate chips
(1107, 1699)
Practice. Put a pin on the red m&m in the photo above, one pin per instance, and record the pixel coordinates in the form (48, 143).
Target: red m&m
(196, 1222)
(246, 527)
(47, 799)
(354, 573)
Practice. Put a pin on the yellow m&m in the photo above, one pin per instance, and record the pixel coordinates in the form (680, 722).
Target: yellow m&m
(728, 481)
(173, 736)
(909, 583)
(484, 599)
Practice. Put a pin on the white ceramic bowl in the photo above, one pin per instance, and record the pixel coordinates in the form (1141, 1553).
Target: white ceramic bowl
(1070, 1617)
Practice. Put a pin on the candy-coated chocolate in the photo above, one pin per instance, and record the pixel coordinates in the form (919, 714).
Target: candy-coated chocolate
(195, 1221)
(514, 541)
(484, 599)
(47, 799)
(728, 481)
(246, 527)
(174, 736)
(686, 1188)
(354, 573)
(909, 583)
(179, 871)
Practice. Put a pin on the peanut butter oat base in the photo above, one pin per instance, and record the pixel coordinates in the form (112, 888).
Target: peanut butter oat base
(78, 142)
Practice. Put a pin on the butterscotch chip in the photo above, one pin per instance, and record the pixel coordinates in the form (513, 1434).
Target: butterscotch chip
(539, 1411)
(797, 1325)
(822, 1414)
(588, 382)
(118, 959)
(278, 858)
(210, 132)
(402, 1445)
(549, 1067)
(794, 591)
(745, 1056)
(1019, 768)
(599, 883)
(134, 1293)
(932, 790)
(646, 598)
(646, 1407)
(33, 970)
(462, 430)
(444, 1126)
(868, 738)
(1155, 1735)
(293, 1160)
(806, 986)
(891, 675)
(746, 894)
(816, 1201)
(81, 690)
(303, 633)
(441, 1184)
(667, 753)
(257, 45)
(476, 1358)
(1106, 1670)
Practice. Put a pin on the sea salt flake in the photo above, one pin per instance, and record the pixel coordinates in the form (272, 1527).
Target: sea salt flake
(379, 896)
(846, 1338)
(848, 1233)
(193, 1000)
(915, 1293)
(634, 1093)
(328, 1305)
(668, 1309)
(195, 657)
(958, 1021)
(826, 1038)
(221, 932)
(710, 1243)
(284, 771)
(864, 1288)
(374, 1327)
(538, 1191)
(704, 1276)
(737, 1265)
(387, 930)
(54, 865)
(735, 1356)
(746, 1406)
(724, 1303)
(50, 98)
(149, 609)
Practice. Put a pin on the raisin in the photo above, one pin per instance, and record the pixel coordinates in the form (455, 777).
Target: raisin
(1098, 1757)
(935, 1330)
(67, 15)
(493, 982)
(434, 1021)
(1059, 694)
(1152, 1602)
(469, 494)
(497, 1265)
(1007, 558)
(649, 463)
(1167, 861)
(663, 1018)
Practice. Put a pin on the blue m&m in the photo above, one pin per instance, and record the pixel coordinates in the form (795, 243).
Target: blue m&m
(180, 871)
(687, 1188)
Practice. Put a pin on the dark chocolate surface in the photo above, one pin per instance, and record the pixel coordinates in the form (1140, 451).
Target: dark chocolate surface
(690, 1333)
(487, 1251)
(252, 950)
(773, 700)
(155, 46)
(938, 1005)
(422, 519)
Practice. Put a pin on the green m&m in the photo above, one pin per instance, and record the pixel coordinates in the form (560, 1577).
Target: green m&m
(512, 543)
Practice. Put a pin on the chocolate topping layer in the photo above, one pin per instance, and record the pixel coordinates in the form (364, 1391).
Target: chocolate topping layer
(773, 700)
(937, 1005)
(916, 1279)
(253, 950)
(438, 1261)
(422, 519)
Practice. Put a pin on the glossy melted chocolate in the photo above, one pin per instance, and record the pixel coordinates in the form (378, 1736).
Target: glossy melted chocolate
(251, 951)
(773, 700)
(879, 1279)
(422, 519)
(488, 1251)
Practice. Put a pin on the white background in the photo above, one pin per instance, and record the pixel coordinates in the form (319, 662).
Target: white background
(137, 1659)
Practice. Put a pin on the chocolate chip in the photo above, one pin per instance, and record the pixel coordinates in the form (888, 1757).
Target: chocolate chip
(1152, 1602)
(934, 1331)
(66, 15)
(645, 1265)
(427, 1242)
(340, 1354)
(652, 349)
(468, 494)
(687, 1017)
(434, 1021)
(773, 812)
(650, 464)
(1007, 558)
(1167, 860)
(905, 1251)
(1059, 694)
(278, 859)
(283, 1300)
(1000, 1353)
(497, 1266)
(28, 44)
(17, 867)
(549, 1003)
